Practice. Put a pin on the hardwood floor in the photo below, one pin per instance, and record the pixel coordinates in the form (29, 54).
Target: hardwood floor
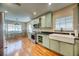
(22, 46)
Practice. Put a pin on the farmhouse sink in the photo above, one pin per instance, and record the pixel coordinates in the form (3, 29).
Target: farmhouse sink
(62, 37)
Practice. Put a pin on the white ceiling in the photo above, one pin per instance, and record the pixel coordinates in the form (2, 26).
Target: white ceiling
(25, 11)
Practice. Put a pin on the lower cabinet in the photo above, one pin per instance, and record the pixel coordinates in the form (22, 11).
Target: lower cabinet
(76, 48)
(63, 48)
(66, 49)
(46, 41)
(54, 45)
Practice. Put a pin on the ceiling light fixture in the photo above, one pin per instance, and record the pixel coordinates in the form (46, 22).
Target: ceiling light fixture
(6, 11)
(34, 13)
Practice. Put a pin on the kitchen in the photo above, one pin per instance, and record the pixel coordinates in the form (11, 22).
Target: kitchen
(54, 27)
(58, 30)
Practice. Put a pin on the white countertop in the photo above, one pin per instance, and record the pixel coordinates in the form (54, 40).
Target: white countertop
(62, 37)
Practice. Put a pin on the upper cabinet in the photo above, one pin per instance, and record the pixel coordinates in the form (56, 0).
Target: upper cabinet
(43, 22)
(36, 21)
(46, 21)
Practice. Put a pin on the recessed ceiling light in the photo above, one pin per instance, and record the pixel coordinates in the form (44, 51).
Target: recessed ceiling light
(34, 13)
(49, 4)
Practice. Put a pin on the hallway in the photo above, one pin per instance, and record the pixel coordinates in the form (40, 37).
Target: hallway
(24, 47)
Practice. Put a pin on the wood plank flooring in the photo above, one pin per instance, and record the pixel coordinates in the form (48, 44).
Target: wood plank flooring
(23, 46)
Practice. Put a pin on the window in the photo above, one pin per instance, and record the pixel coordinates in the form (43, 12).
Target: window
(65, 22)
(30, 28)
(69, 23)
(10, 27)
(14, 28)
(18, 28)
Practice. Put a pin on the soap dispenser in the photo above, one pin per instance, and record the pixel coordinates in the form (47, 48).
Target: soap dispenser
(76, 33)
(61, 29)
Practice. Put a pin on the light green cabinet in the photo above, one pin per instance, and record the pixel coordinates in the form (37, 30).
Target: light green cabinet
(61, 47)
(48, 20)
(76, 48)
(43, 22)
(36, 21)
(66, 49)
(46, 41)
(54, 45)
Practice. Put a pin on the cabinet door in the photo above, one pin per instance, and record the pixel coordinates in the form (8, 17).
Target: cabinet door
(66, 49)
(54, 45)
(48, 20)
(46, 41)
(36, 21)
(76, 51)
(76, 48)
(43, 21)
